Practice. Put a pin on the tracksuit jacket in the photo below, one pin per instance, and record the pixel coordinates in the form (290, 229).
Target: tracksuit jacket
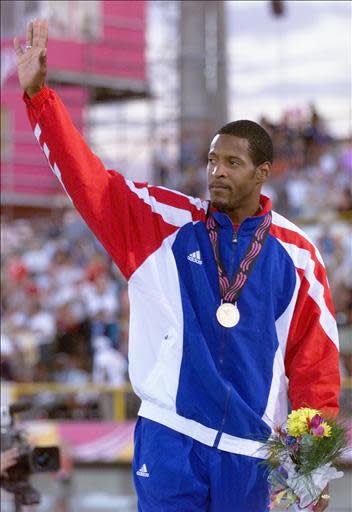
(224, 387)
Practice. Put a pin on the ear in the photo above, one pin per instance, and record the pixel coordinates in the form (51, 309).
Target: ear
(263, 171)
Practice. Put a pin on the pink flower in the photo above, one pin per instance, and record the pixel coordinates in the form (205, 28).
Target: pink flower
(318, 431)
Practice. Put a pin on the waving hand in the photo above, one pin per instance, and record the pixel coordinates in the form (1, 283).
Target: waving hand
(31, 61)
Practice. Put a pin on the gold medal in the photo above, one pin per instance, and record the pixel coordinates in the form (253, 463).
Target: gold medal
(228, 314)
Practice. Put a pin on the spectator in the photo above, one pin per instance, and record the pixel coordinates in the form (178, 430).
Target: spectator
(68, 371)
(101, 302)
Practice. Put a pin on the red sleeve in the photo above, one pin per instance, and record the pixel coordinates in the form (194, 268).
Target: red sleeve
(312, 357)
(130, 219)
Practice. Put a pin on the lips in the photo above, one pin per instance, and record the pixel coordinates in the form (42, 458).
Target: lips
(219, 187)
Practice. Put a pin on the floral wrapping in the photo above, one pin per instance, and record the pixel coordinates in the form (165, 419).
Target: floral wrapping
(301, 457)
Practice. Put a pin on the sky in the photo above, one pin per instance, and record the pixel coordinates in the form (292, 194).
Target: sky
(278, 63)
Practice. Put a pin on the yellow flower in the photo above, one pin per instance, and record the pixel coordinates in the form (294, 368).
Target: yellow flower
(327, 429)
(298, 421)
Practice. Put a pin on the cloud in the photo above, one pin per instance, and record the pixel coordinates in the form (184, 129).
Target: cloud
(277, 63)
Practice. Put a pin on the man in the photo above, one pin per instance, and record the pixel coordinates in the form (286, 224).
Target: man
(228, 301)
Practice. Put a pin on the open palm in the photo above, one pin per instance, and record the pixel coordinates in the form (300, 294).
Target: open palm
(31, 62)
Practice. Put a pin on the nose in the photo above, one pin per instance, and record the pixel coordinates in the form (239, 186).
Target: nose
(219, 170)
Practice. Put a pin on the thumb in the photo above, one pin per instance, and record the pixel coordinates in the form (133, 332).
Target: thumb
(17, 47)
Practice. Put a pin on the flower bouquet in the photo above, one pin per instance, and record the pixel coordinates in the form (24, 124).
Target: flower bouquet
(301, 457)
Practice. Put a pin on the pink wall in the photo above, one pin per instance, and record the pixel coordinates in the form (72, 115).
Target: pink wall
(25, 170)
(119, 54)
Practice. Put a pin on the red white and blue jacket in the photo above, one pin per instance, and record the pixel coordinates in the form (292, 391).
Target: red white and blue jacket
(224, 387)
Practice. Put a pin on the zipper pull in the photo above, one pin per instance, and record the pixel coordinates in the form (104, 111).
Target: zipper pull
(234, 238)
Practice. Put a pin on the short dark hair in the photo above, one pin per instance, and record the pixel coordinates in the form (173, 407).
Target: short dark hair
(260, 146)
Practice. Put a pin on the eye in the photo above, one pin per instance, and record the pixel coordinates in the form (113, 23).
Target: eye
(211, 160)
(234, 162)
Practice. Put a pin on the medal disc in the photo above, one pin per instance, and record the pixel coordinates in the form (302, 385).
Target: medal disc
(228, 314)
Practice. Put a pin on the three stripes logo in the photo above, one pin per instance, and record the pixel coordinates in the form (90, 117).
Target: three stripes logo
(195, 257)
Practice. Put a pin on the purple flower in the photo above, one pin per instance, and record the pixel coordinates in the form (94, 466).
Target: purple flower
(315, 421)
(290, 440)
(318, 431)
(315, 424)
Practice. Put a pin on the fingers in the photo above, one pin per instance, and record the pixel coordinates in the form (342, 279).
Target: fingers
(36, 30)
(40, 33)
(29, 34)
(43, 34)
(36, 36)
(323, 501)
(18, 49)
(8, 459)
(321, 505)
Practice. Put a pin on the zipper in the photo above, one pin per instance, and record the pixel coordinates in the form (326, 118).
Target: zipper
(222, 349)
(234, 249)
(221, 363)
(221, 428)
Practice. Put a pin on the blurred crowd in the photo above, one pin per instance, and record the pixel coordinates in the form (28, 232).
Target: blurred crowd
(312, 172)
(65, 305)
(312, 185)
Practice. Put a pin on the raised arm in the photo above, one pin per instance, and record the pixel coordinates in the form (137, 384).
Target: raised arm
(130, 219)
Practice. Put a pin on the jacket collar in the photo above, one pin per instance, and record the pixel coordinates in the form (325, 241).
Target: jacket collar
(223, 219)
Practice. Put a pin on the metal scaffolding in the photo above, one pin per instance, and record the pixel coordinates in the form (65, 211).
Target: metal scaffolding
(186, 59)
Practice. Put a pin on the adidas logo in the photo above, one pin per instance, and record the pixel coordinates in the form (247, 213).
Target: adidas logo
(195, 257)
(143, 471)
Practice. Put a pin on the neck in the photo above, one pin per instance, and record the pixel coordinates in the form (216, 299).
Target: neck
(239, 214)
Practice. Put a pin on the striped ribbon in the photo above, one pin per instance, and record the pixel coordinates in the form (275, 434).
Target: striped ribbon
(230, 290)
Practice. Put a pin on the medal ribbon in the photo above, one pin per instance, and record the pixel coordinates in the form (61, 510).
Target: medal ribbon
(230, 290)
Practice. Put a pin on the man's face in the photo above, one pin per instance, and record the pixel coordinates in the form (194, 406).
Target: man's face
(232, 178)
